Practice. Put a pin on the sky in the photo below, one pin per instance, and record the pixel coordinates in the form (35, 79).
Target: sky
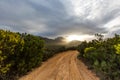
(53, 18)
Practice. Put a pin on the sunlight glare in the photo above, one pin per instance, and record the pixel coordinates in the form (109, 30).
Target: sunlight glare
(74, 37)
(78, 37)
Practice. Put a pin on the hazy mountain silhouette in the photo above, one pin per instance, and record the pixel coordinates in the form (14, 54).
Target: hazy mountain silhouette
(60, 41)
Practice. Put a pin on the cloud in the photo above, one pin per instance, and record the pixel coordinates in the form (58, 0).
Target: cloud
(53, 18)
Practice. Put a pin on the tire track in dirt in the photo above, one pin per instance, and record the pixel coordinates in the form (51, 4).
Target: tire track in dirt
(64, 66)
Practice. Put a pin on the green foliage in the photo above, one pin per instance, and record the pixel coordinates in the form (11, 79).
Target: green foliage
(117, 47)
(81, 48)
(102, 56)
(52, 50)
(31, 55)
(89, 50)
(19, 53)
(9, 41)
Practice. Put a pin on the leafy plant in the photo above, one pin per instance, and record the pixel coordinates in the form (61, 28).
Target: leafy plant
(117, 47)
(103, 56)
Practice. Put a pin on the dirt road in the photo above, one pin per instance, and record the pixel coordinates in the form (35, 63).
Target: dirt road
(64, 66)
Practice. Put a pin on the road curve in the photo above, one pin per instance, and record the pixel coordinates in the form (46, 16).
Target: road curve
(64, 66)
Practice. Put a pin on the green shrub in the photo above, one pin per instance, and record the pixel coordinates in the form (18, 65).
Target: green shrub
(19, 53)
(31, 55)
(89, 50)
(117, 48)
(81, 48)
(9, 41)
(103, 56)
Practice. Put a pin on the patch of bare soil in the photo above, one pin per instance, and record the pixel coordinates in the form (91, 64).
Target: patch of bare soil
(64, 66)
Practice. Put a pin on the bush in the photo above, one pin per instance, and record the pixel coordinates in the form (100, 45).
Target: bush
(52, 50)
(19, 53)
(81, 48)
(103, 56)
(89, 50)
(117, 48)
(8, 43)
(31, 55)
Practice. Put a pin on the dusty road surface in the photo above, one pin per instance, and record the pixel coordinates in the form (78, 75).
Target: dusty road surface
(64, 66)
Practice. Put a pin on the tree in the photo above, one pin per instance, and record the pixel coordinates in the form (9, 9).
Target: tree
(99, 37)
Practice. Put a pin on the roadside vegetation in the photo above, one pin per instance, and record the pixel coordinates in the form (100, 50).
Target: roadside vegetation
(102, 56)
(21, 53)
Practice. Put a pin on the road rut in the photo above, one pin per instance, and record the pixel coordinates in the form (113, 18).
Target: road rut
(64, 66)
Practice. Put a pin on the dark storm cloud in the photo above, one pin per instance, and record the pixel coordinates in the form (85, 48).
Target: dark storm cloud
(57, 17)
